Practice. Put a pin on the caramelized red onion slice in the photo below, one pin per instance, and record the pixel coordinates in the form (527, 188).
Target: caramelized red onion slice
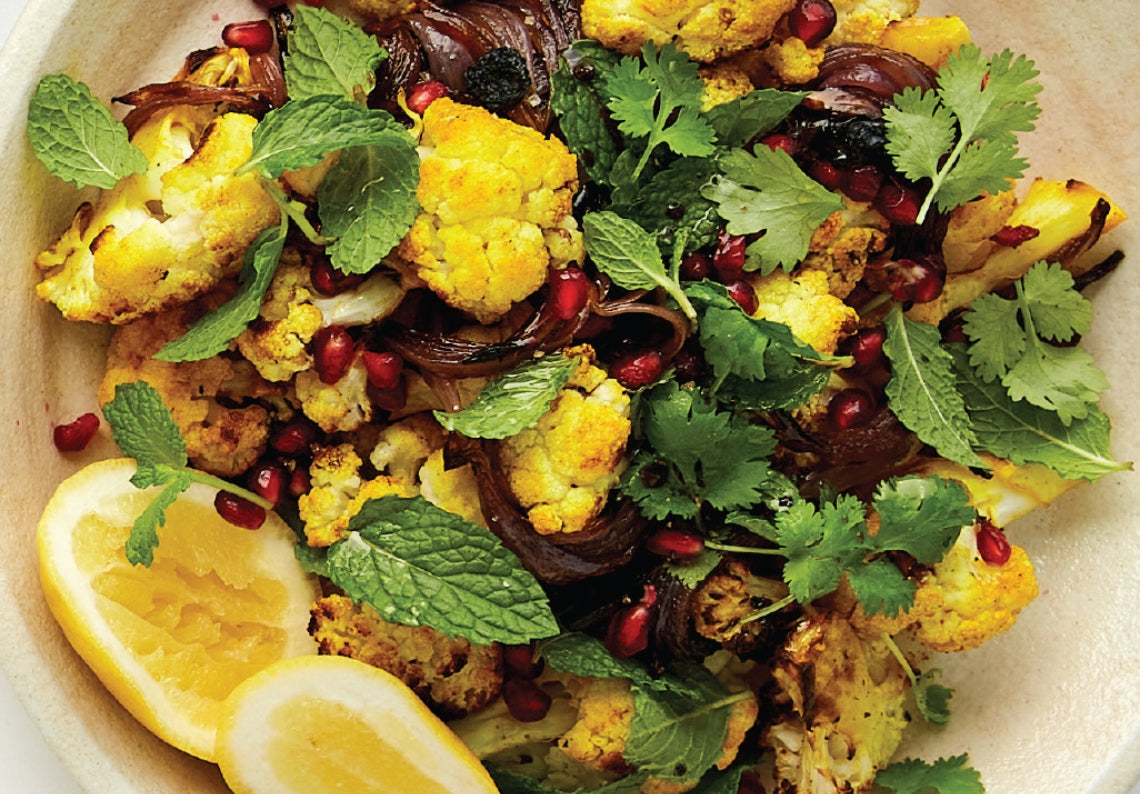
(606, 544)
(861, 79)
(151, 99)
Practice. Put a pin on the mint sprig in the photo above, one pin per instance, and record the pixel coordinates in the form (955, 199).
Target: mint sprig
(329, 56)
(75, 136)
(143, 428)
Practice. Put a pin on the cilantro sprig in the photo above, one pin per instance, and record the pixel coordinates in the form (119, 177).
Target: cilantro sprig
(945, 776)
(962, 136)
(144, 429)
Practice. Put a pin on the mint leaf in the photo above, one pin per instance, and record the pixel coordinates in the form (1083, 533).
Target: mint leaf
(757, 113)
(514, 401)
(508, 782)
(660, 102)
(945, 776)
(419, 565)
(922, 516)
(681, 181)
(922, 391)
(1024, 433)
(143, 428)
(765, 191)
(302, 131)
(368, 201)
(211, 334)
(629, 255)
(76, 137)
(580, 105)
(329, 56)
(583, 655)
(962, 136)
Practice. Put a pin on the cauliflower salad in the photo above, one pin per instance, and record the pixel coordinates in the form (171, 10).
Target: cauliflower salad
(724, 328)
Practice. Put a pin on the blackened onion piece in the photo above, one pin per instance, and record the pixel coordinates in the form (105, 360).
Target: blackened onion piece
(151, 99)
(610, 544)
(1087, 239)
(673, 633)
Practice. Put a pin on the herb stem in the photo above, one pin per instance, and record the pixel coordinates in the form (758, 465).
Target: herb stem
(226, 485)
(712, 544)
(771, 609)
(896, 652)
(295, 211)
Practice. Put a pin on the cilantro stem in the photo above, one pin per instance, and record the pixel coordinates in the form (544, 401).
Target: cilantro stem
(295, 211)
(896, 652)
(771, 609)
(712, 544)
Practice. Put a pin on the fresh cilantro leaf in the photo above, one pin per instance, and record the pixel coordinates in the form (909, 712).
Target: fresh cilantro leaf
(693, 572)
(820, 544)
(678, 736)
(629, 255)
(514, 401)
(881, 588)
(922, 391)
(658, 98)
(419, 565)
(212, 333)
(329, 56)
(757, 113)
(1024, 433)
(580, 105)
(932, 698)
(765, 191)
(144, 429)
(76, 137)
(1009, 340)
(302, 131)
(945, 776)
(368, 201)
(922, 516)
(962, 136)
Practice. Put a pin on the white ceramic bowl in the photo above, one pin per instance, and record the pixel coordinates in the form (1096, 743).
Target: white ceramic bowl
(1053, 705)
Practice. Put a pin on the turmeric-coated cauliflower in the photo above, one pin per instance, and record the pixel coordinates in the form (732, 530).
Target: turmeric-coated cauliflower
(804, 304)
(165, 237)
(707, 30)
(342, 406)
(496, 200)
(844, 243)
(865, 21)
(209, 400)
(561, 470)
(844, 699)
(451, 675)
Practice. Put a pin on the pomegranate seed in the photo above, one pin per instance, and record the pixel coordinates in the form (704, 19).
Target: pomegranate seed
(850, 408)
(569, 292)
(826, 174)
(520, 662)
(294, 438)
(299, 483)
(239, 511)
(728, 259)
(423, 94)
(682, 545)
(329, 281)
(992, 544)
(954, 331)
(333, 351)
(75, 436)
(750, 783)
(253, 37)
(865, 346)
(812, 21)
(688, 365)
(696, 266)
(525, 700)
(862, 183)
(1013, 236)
(638, 369)
(917, 280)
(897, 204)
(383, 369)
(268, 480)
(745, 296)
(778, 140)
(392, 399)
(628, 632)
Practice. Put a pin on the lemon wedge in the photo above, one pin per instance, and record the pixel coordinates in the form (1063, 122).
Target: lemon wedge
(330, 723)
(172, 640)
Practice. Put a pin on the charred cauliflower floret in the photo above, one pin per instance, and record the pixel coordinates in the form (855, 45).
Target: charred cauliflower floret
(496, 199)
(223, 435)
(165, 237)
(707, 30)
(844, 701)
(843, 244)
(451, 675)
(561, 470)
(804, 304)
(342, 406)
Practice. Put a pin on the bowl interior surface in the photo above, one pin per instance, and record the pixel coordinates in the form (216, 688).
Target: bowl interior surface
(1052, 705)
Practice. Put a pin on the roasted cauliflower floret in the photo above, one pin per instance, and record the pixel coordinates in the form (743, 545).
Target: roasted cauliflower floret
(277, 342)
(496, 199)
(561, 470)
(336, 407)
(452, 676)
(804, 304)
(844, 700)
(707, 30)
(843, 244)
(865, 21)
(723, 84)
(222, 437)
(793, 61)
(165, 237)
